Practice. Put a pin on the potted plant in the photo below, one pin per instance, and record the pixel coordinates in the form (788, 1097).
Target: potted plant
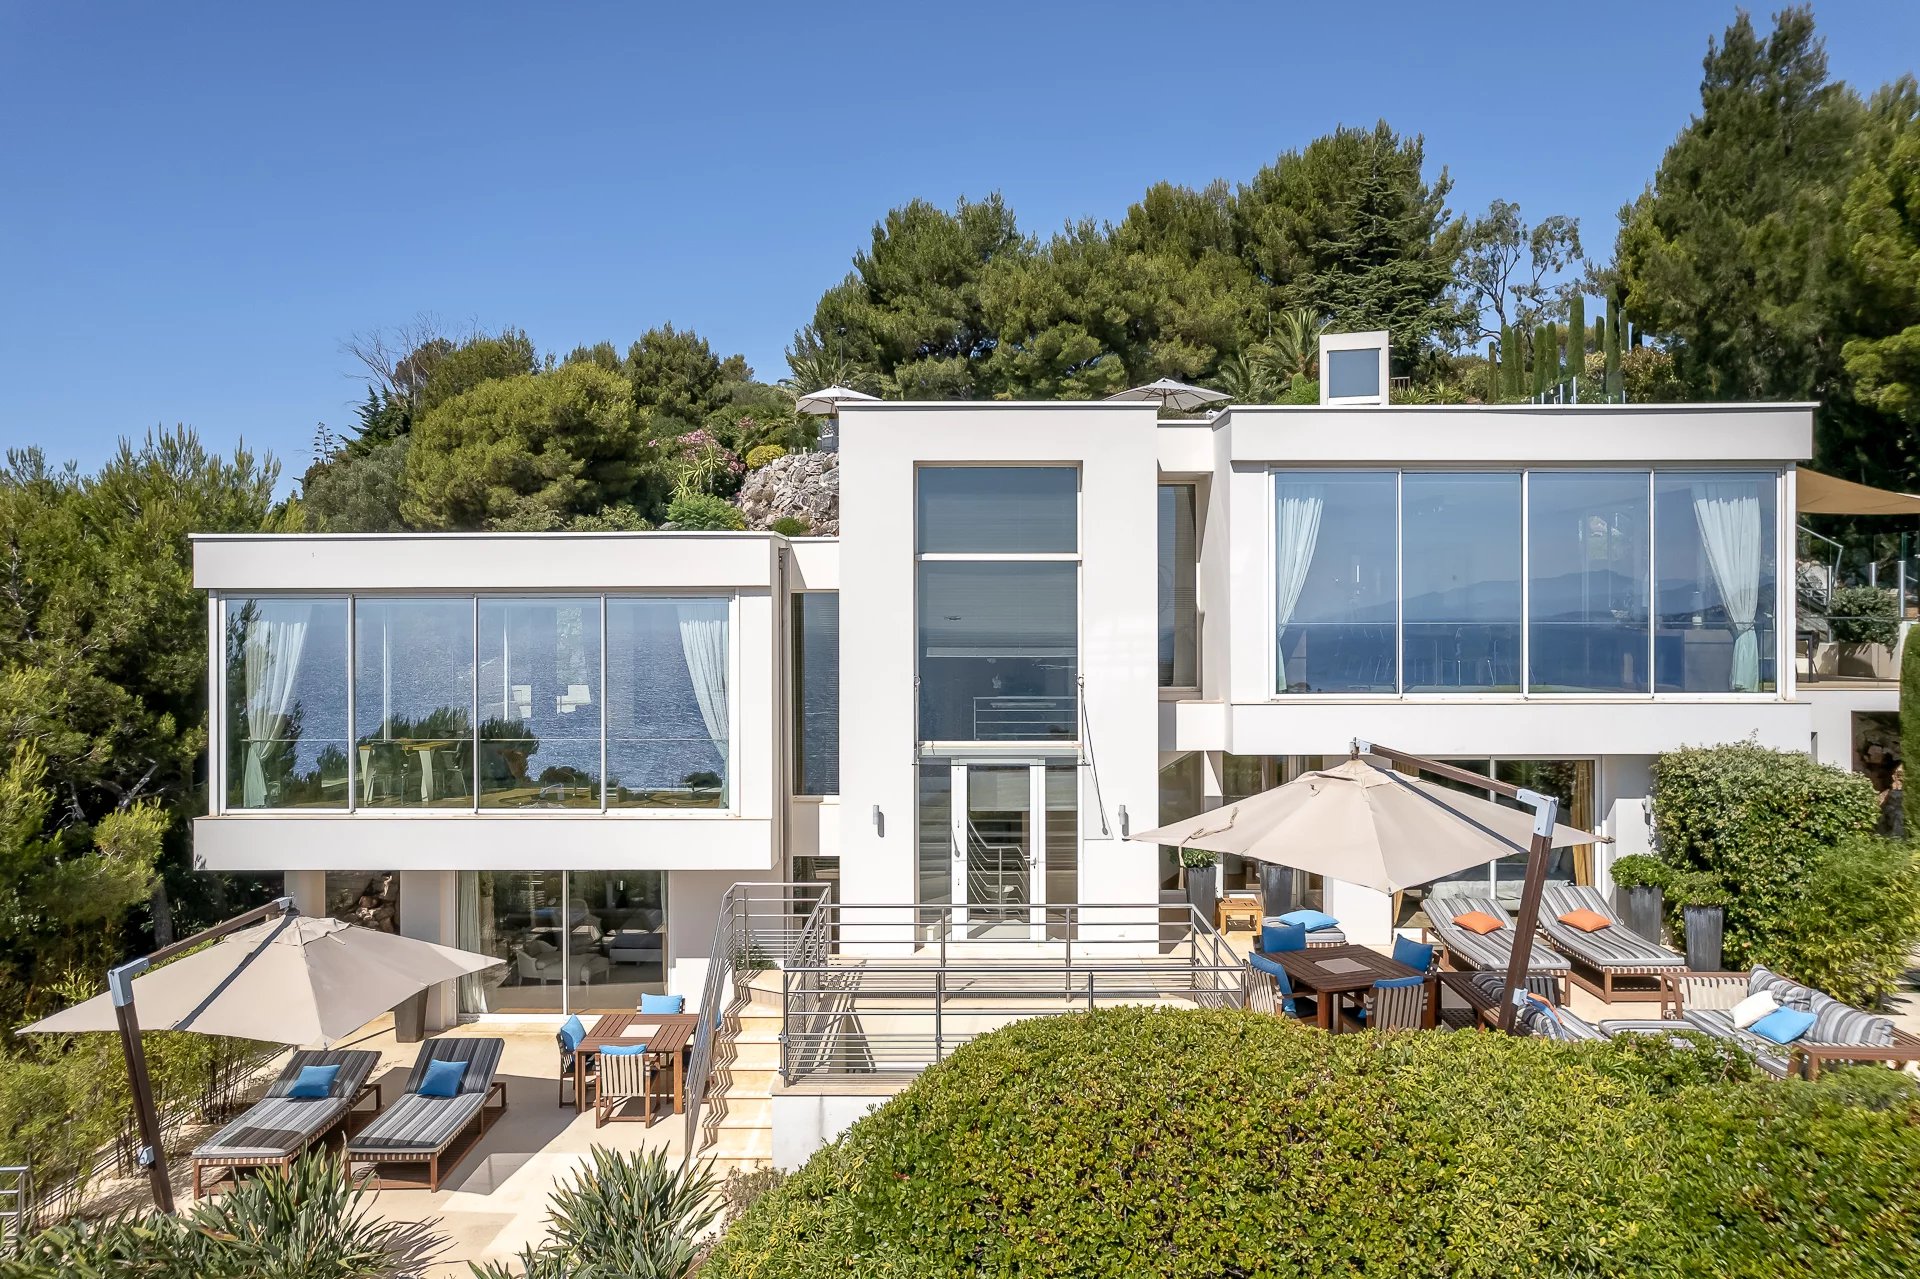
(1865, 624)
(1702, 901)
(1642, 881)
(1202, 872)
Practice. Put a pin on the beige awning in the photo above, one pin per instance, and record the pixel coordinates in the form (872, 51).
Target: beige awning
(1829, 495)
(1364, 824)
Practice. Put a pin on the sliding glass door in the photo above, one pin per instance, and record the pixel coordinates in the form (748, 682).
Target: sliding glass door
(571, 941)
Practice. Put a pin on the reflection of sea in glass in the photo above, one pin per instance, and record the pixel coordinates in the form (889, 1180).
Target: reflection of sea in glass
(286, 706)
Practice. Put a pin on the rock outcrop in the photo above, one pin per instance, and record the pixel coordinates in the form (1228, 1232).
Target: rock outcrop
(804, 486)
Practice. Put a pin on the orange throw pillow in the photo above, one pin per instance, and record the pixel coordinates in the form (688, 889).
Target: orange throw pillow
(1477, 921)
(1587, 921)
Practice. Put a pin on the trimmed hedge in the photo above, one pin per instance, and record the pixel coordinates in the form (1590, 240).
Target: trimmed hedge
(1759, 820)
(1141, 1141)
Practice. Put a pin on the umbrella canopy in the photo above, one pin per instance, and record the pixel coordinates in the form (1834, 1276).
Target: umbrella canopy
(292, 980)
(827, 400)
(1819, 494)
(1366, 825)
(1177, 397)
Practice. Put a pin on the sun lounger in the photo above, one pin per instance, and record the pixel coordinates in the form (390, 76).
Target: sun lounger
(278, 1129)
(1840, 1032)
(1614, 962)
(421, 1129)
(1491, 951)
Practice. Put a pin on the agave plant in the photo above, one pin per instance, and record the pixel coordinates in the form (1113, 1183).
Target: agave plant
(622, 1217)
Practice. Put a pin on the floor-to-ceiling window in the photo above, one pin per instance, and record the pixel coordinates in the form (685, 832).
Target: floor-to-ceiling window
(286, 704)
(1530, 582)
(539, 673)
(668, 700)
(816, 693)
(1568, 780)
(413, 702)
(571, 941)
(1179, 638)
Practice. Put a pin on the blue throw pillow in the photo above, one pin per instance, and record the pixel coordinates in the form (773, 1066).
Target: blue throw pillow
(1783, 1025)
(1416, 955)
(1275, 938)
(623, 1050)
(663, 1003)
(313, 1082)
(442, 1078)
(572, 1031)
(1311, 920)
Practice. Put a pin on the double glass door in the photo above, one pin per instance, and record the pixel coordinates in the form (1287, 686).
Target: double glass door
(999, 841)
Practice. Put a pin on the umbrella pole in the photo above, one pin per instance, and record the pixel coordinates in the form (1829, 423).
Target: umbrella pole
(120, 983)
(1546, 810)
(151, 1155)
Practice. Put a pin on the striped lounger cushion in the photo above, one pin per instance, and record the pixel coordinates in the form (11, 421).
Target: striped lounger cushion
(1495, 948)
(278, 1126)
(1718, 1022)
(1616, 946)
(1327, 937)
(422, 1125)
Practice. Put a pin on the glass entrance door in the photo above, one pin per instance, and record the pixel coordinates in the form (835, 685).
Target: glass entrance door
(999, 848)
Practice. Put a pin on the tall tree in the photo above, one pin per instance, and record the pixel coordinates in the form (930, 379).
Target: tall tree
(1736, 254)
(678, 379)
(1512, 273)
(911, 311)
(1882, 212)
(1351, 226)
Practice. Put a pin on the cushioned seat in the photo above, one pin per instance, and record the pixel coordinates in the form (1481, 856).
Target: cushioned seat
(278, 1128)
(1489, 950)
(421, 1129)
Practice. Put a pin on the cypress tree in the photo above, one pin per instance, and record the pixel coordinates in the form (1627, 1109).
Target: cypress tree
(1493, 372)
(1576, 337)
(1539, 345)
(1503, 384)
(1612, 350)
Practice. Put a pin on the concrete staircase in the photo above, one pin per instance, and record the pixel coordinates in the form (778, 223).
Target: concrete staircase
(736, 1123)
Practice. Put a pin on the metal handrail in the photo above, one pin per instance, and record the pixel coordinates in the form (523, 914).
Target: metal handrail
(742, 942)
(16, 1221)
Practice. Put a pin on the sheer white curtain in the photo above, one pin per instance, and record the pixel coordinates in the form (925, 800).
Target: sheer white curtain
(1729, 515)
(703, 638)
(271, 660)
(1296, 530)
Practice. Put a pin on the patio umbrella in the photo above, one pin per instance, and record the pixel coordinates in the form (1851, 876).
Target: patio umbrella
(1364, 824)
(290, 980)
(1175, 397)
(827, 400)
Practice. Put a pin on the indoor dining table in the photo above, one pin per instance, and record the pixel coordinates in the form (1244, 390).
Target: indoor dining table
(666, 1035)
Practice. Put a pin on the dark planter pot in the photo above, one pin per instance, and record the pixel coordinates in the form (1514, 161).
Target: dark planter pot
(1276, 889)
(1200, 889)
(1705, 925)
(410, 1019)
(1645, 908)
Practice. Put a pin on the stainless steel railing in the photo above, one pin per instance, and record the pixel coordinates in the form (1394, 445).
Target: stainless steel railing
(907, 985)
(16, 1206)
(760, 926)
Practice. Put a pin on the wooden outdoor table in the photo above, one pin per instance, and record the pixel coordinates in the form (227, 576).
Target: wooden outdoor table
(1306, 970)
(666, 1034)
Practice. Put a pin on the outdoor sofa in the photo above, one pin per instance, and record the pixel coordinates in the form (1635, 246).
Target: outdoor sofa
(420, 1129)
(1491, 951)
(1840, 1032)
(1614, 962)
(278, 1129)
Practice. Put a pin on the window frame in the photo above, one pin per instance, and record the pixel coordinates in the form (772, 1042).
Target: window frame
(1782, 689)
(218, 770)
(1177, 691)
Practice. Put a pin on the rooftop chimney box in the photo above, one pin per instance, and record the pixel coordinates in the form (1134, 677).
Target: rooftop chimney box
(1353, 368)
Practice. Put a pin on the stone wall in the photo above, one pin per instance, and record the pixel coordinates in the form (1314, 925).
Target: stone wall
(802, 486)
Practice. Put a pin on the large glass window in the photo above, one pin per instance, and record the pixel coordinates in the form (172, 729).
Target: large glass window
(1336, 580)
(1587, 578)
(1182, 795)
(540, 703)
(286, 703)
(667, 703)
(934, 842)
(413, 702)
(1179, 565)
(1713, 567)
(999, 650)
(997, 509)
(816, 692)
(1460, 548)
(572, 941)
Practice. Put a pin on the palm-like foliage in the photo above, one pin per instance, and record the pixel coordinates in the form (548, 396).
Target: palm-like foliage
(622, 1217)
(1295, 346)
(1247, 377)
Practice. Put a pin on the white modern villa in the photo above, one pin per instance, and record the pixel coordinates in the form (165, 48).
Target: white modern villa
(1042, 626)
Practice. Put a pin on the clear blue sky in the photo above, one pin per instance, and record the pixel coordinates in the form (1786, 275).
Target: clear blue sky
(198, 202)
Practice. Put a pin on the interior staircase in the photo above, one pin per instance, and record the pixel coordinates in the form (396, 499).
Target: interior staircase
(736, 1124)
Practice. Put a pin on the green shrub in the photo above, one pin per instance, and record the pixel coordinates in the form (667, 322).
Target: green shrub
(1696, 888)
(632, 1216)
(761, 454)
(1136, 1141)
(1637, 870)
(1758, 820)
(704, 511)
(1910, 736)
(1854, 923)
(1864, 615)
(791, 526)
(310, 1222)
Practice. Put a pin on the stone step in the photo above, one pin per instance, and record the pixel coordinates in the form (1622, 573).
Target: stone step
(739, 1112)
(736, 1143)
(739, 1081)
